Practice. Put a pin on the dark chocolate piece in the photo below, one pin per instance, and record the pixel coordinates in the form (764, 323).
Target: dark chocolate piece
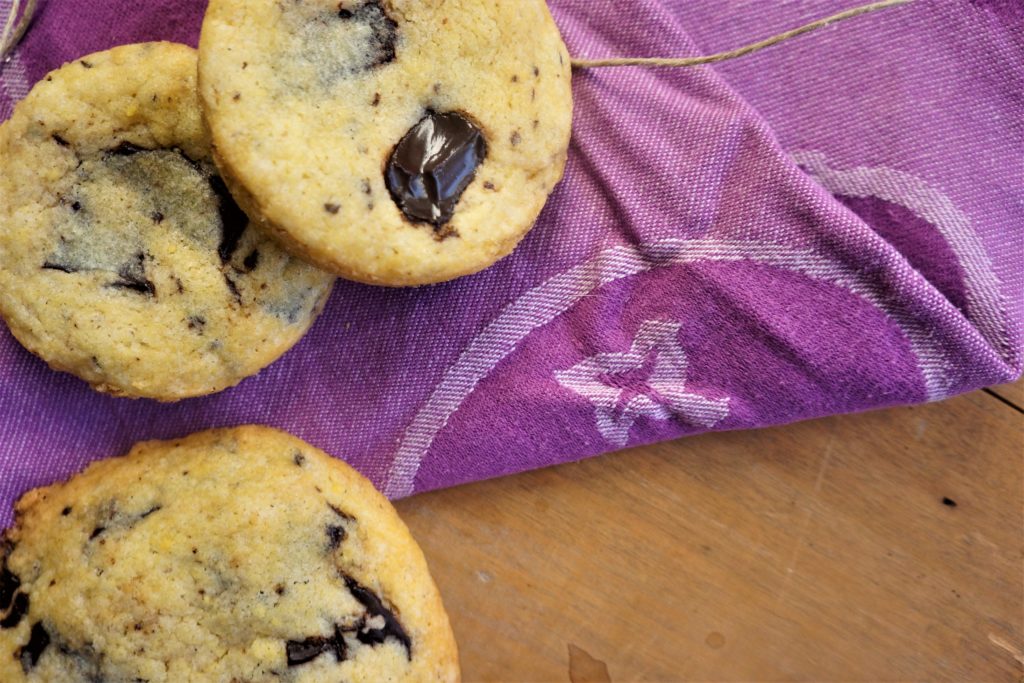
(303, 651)
(96, 532)
(344, 515)
(60, 141)
(67, 508)
(299, 458)
(126, 149)
(433, 165)
(383, 30)
(19, 607)
(64, 268)
(233, 288)
(375, 608)
(251, 261)
(335, 536)
(38, 641)
(132, 276)
(332, 208)
(9, 584)
(233, 220)
(157, 217)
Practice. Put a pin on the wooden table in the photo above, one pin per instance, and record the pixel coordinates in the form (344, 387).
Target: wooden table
(875, 547)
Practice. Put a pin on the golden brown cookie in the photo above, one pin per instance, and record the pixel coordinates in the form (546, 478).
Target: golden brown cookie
(230, 555)
(123, 259)
(394, 142)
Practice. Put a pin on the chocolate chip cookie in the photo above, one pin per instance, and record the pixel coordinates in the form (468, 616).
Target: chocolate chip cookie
(123, 258)
(231, 555)
(394, 142)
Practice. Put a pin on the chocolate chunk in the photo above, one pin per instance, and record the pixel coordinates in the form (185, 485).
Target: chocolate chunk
(332, 208)
(76, 206)
(125, 149)
(338, 511)
(383, 32)
(375, 608)
(433, 165)
(303, 651)
(132, 276)
(9, 584)
(233, 288)
(38, 641)
(251, 261)
(19, 607)
(299, 458)
(157, 217)
(87, 65)
(335, 535)
(60, 141)
(233, 220)
(67, 508)
(64, 268)
(96, 532)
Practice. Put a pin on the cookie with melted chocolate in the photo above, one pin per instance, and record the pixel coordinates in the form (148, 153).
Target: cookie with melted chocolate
(394, 142)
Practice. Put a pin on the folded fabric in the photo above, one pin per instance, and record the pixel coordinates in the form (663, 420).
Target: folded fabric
(832, 225)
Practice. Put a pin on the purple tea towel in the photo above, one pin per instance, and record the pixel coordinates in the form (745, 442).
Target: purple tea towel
(832, 225)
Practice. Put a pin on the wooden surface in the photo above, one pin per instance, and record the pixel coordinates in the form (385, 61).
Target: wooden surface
(875, 547)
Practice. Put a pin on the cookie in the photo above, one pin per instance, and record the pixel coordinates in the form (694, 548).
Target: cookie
(393, 142)
(239, 554)
(123, 258)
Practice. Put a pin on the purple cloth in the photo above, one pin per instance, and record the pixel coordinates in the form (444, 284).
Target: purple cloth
(831, 225)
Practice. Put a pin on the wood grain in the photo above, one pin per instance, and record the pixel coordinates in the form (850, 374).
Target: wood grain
(817, 551)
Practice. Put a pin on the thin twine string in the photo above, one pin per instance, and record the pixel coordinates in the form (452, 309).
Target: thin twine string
(14, 29)
(579, 63)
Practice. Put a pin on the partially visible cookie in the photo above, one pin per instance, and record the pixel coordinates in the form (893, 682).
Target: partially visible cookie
(231, 555)
(394, 142)
(123, 258)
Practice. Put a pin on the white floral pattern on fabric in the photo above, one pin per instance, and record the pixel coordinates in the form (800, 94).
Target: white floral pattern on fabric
(665, 397)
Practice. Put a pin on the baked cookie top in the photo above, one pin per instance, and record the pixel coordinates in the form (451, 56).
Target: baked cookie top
(394, 142)
(231, 555)
(123, 258)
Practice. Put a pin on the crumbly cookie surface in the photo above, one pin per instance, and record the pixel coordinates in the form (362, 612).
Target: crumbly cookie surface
(231, 555)
(123, 258)
(309, 100)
